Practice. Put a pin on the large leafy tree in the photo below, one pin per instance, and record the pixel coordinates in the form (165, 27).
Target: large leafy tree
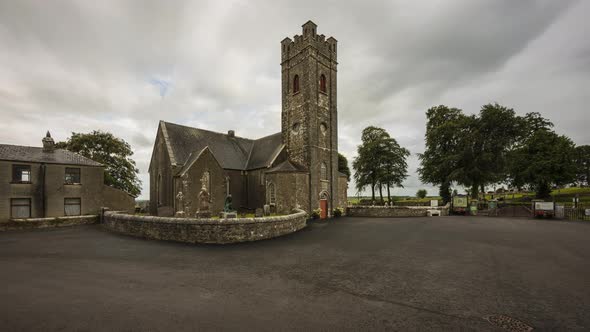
(583, 164)
(366, 164)
(114, 153)
(486, 141)
(394, 167)
(445, 128)
(545, 159)
(381, 161)
(343, 166)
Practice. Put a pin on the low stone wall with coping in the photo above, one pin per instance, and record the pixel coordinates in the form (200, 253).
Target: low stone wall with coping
(393, 211)
(32, 223)
(192, 230)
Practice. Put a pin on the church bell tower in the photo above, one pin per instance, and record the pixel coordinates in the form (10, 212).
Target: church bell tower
(309, 114)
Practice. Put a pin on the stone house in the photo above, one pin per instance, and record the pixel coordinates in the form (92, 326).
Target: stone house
(296, 167)
(45, 182)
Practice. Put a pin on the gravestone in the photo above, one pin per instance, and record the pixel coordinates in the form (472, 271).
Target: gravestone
(258, 213)
(266, 210)
(204, 204)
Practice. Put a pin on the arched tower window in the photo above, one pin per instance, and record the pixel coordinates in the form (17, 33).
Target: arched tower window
(272, 195)
(323, 83)
(296, 84)
(323, 172)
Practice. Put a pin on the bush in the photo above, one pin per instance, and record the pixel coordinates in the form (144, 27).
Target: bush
(338, 212)
(315, 214)
(421, 193)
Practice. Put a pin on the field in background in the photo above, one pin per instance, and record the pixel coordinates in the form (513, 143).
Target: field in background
(564, 196)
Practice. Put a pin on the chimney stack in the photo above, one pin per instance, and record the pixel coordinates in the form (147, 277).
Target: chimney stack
(231, 133)
(48, 143)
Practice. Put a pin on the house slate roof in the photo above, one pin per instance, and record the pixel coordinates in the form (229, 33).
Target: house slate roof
(31, 154)
(232, 152)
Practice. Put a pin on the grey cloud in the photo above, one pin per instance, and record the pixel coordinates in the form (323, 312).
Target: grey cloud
(79, 65)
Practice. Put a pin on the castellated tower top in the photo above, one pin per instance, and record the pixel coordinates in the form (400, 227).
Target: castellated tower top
(309, 37)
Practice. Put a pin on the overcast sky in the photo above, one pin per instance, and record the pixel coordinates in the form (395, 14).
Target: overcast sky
(120, 66)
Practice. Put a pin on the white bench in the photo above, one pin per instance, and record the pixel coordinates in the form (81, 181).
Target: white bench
(432, 213)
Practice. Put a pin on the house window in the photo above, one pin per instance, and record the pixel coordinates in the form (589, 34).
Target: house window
(296, 84)
(20, 208)
(323, 83)
(272, 195)
(72, 206)
(72, 175)
(21, 173)
(323, 172)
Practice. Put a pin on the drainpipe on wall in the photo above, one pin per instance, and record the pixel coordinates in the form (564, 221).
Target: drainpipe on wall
(43, 195)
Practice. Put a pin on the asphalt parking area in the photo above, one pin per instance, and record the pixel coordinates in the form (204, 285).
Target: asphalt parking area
(444, 273)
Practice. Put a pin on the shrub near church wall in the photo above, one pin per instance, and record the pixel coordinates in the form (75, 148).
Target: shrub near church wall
(191, 230)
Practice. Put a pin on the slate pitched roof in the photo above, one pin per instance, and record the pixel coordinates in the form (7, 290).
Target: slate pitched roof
(286, 167)
(231, 152)
(37, 155)
(264, 150)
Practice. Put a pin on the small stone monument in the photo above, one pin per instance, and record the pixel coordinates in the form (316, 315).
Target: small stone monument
(180, 201)
(204, 204)
(258, 213)
(266, 210)
(228, 212)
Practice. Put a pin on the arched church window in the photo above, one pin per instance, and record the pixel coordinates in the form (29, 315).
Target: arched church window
(296, 84)
(206, 181)
(159, 189)
(323, 83)
(323, 172)
(272, 195)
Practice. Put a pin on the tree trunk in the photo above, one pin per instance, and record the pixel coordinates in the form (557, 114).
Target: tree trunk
(373, 192)
(474, 191)
(381, 193)
(388, 195)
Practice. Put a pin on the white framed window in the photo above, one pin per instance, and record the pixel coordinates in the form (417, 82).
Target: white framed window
(72, 206)
(20, 208)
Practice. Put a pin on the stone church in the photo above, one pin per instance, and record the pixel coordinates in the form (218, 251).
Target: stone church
(297, 167)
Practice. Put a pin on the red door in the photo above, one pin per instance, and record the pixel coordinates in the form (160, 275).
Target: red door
(324, 208)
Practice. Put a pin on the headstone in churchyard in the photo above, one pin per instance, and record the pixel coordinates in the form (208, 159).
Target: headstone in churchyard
(258, 213)
(266, 210)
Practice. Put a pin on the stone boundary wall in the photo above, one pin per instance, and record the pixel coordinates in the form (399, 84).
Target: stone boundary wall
(192, 230)
(32, 223)
(393, 211)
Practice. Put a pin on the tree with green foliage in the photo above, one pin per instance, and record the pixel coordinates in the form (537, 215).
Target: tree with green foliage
(421, 193)
(114, 153)
(545, 159)
(583, 164)
(343, 166)
(381, 161)
(487, 139)
(444, 130)
(469, 150)
(394, 167)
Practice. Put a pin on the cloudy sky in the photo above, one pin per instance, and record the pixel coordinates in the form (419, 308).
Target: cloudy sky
(120, 66)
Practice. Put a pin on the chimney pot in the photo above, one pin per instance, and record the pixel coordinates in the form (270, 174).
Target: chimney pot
(231, 133)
